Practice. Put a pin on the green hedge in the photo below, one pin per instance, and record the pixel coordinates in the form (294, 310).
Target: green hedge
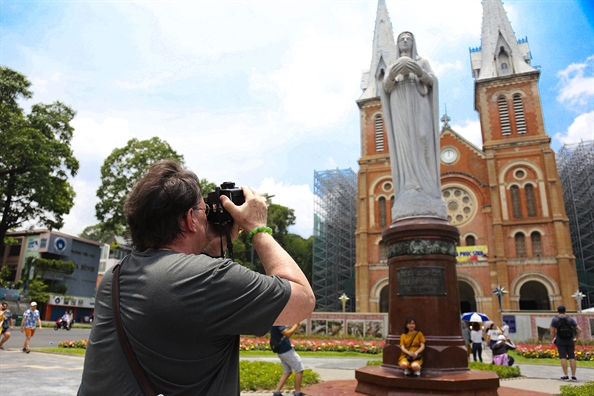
(66, 267)
(578, 390)
(265, 375)
(501, 371)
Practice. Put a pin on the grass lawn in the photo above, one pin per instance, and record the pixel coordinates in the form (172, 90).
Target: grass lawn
(551, 362)
(64, 351)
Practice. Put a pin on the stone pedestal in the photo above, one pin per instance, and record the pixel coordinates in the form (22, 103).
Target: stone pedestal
(424, 285)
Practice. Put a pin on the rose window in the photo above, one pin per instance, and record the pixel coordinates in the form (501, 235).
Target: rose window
(461, 205)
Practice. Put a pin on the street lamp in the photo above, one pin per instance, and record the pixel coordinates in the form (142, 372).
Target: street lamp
(343, 299)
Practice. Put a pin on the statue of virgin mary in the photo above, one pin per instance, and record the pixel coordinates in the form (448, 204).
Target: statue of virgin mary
(409, 97)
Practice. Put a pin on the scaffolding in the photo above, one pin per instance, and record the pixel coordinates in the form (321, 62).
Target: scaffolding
(575, 164)
(335, 223)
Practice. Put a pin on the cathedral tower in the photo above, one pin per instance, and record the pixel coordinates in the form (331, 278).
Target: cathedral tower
(532, 247)
(375, 191)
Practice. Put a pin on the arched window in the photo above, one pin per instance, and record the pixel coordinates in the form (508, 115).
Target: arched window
(504, 116)
(536, 244)
(379, 133)
(382, 211)
(520, 245)
(519, 114)
(530, 202)
(470, 240)
(516, 206)
(383, 252)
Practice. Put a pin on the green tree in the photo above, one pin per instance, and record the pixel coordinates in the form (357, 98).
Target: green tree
(37, 291)
(280, 218)
(120, 171)
(301, 250)
(35, 158)
(96, 233)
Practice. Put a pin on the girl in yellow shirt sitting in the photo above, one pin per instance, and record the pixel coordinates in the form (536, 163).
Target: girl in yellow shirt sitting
(412, 344)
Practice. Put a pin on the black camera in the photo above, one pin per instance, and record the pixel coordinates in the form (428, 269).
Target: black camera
(218, 214)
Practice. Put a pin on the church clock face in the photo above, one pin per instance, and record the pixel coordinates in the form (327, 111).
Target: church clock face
(449, 155)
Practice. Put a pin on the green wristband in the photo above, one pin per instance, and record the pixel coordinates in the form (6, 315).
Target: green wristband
(257, 230)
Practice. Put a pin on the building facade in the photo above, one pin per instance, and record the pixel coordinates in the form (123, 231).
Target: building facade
(79, 285)
(505, 198)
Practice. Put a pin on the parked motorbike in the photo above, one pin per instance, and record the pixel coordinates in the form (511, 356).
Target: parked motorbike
(62, 324)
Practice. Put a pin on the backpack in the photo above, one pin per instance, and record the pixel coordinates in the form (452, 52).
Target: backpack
(564, 329)
(275, 345)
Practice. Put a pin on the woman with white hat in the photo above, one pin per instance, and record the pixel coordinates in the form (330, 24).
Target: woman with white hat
(500, 349)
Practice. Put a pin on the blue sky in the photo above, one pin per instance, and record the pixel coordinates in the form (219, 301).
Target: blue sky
(264, 93)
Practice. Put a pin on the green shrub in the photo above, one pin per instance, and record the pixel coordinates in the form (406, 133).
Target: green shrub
(265, 375)
(375, 362)
(501, 371)
(578, 390)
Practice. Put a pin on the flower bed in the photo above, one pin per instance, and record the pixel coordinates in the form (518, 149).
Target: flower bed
(316, 345)
(73, 344)
(548, 351)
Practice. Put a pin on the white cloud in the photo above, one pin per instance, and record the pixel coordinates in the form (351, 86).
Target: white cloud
(312, 87)
(576, 83)
(440, 68)
(582, 129)
(82, 213)
(471, 131)
(331, 163)
(300, 198)
(97, 140)
(146, 83)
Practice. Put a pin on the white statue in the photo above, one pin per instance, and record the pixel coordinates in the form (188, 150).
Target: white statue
(408, 92)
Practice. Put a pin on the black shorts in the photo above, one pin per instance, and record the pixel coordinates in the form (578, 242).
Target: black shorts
(566, 351)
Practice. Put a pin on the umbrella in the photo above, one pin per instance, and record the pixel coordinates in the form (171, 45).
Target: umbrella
(474, 317)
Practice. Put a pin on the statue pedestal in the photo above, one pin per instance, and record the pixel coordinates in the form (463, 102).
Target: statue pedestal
(424, 285)
(380, 381)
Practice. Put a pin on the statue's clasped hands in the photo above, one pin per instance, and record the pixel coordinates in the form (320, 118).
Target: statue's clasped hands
(403, 66)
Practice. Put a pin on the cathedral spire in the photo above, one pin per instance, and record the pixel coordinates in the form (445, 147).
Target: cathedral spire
(500, 53)
(384, 47)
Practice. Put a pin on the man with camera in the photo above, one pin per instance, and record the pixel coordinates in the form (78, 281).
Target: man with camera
(176, 271)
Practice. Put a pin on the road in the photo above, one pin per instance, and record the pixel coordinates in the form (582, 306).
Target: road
(46, 338)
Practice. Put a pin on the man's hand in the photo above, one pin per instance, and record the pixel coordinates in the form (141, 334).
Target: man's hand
(252, 214)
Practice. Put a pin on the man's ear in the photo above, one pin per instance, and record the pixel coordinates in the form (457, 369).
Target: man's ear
(188, 223)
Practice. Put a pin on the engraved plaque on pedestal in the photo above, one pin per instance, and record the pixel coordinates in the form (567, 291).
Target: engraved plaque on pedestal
(421, 281)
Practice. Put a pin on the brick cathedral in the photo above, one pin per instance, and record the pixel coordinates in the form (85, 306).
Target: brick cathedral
(505, 198)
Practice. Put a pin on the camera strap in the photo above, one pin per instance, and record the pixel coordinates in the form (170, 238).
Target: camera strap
(124, 342)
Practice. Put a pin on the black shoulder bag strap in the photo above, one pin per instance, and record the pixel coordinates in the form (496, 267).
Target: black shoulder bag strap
(134, 365)
(413, 339)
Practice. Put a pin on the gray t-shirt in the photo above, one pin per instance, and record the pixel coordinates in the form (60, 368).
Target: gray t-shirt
(183, 315)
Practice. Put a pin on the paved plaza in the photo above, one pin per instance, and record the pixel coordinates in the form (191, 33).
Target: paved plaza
(44, 374)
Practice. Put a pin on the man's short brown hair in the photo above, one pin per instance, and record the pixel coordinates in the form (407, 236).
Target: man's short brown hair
(157, 203)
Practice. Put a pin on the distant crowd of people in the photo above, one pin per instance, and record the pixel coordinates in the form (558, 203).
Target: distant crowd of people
(564, 332)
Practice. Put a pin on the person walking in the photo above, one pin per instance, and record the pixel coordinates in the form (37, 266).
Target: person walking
(7, 323)
(505, 330)
(476, 336)
(565, 332)
(288, 357)
(492, 334)
(30, 320)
